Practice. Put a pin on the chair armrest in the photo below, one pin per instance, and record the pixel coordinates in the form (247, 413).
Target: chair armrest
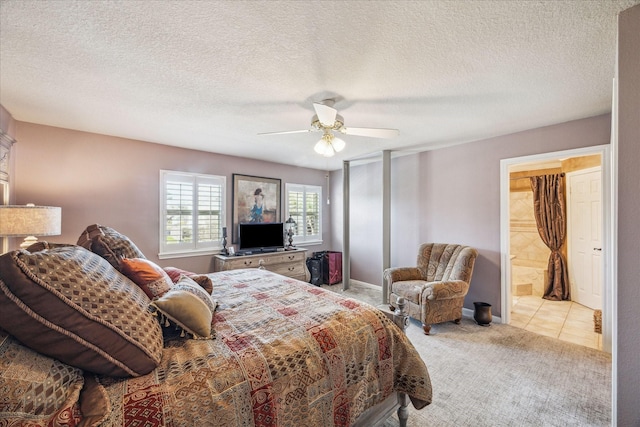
(398, 274)
(445, 290)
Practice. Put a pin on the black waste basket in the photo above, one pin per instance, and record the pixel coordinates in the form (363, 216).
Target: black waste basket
(314, 264)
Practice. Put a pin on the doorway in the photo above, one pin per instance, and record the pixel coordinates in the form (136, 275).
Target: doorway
(530, 263)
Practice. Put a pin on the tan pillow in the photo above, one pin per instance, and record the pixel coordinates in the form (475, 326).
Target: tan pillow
(109, 244)
(35, 387)
(203, 280)
(71, 304)
(151, 278)
(187, 306)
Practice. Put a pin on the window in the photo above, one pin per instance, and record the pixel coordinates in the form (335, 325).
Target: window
(305, 207)
(192, 210)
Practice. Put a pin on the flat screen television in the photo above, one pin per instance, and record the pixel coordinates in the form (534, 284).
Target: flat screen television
(260, 237)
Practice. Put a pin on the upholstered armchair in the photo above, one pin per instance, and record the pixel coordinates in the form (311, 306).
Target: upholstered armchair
(434, 290)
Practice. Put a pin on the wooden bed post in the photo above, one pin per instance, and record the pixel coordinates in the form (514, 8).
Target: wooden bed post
(401, 319)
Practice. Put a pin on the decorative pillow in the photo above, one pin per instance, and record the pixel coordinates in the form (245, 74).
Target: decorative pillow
(35, 387)
(71, 304)
(151, 278)
(41, 245)
(109, 244)
(188, 306)
(201, 279)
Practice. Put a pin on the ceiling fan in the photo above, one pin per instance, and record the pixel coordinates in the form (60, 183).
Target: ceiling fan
(327, 120)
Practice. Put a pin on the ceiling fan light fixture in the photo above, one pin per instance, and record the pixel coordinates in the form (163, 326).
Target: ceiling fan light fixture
(338, 144)
(327, 120)
(320, 147)
(329, 152)
(325, 146)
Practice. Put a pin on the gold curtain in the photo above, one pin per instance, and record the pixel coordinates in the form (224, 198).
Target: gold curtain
(550, 213)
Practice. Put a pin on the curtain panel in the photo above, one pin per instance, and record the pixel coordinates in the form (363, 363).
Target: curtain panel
(549, 207)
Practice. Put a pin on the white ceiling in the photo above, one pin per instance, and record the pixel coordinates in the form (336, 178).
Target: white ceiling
(211, 75)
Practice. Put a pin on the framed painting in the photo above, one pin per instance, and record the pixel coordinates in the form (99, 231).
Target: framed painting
(255, 199)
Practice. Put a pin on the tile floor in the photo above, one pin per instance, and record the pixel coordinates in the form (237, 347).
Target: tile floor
(565, 320)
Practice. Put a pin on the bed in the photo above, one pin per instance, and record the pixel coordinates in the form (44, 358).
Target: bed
(84, 344)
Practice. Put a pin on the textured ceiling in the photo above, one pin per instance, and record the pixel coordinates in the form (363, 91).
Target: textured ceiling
(211, 75)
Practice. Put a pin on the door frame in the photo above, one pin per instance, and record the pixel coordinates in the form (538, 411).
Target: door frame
(609, 286)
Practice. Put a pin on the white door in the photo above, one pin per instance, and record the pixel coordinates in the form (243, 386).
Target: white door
(585, 237)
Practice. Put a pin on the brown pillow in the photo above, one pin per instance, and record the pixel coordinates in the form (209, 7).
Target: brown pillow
(187, 306)
(109, 244)
(41, 245)
(71, 304)
(35, 387)
(201, 279)
(151, 278)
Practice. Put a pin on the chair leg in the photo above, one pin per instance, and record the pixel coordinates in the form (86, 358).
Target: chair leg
(457, 321)
(426, 329)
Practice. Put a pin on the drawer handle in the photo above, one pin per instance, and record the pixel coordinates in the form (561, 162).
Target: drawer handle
(292, 257)
(291, 268)
(248, 263)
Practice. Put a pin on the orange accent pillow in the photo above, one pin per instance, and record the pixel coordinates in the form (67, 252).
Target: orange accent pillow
(151, 278)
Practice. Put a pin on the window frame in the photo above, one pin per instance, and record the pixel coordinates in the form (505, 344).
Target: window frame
(305, 189)
(196, 247)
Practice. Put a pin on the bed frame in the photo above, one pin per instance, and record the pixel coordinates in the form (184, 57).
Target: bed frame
(377, 415)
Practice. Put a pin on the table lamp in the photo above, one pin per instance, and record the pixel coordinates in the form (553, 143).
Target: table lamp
(29, 221)
(289, 227)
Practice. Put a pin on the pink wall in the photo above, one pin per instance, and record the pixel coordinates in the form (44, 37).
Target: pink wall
(450, 195)
(462, 185)
(115, 182)
(366, 222)
(628, 297)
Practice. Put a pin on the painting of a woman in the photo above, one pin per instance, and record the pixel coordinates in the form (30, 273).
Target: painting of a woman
(255, 214)
(255, 200)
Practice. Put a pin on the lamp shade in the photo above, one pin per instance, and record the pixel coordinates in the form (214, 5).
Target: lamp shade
(30, 220)
(338, 144)
(290, 224)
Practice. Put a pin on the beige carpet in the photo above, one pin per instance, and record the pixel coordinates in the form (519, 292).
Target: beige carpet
(504, 376)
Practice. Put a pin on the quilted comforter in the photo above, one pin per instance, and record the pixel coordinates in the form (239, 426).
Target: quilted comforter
(285, 354)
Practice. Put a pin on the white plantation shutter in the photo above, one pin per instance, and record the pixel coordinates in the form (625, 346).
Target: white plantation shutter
(210, 197)
(295, 204)
(304, 206)
(191, 213)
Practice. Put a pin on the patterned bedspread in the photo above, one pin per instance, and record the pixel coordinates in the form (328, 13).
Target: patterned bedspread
(285, 354)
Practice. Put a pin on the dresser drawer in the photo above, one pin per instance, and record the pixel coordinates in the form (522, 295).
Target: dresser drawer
(288, 269)
(282, 258)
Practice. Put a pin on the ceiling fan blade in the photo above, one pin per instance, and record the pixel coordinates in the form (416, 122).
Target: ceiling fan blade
(285, 132)
(372, 132)
(326, 114)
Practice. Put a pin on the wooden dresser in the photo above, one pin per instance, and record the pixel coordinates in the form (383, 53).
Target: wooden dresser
(288, 263)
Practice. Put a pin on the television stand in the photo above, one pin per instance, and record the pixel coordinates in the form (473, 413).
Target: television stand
(291, 263)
